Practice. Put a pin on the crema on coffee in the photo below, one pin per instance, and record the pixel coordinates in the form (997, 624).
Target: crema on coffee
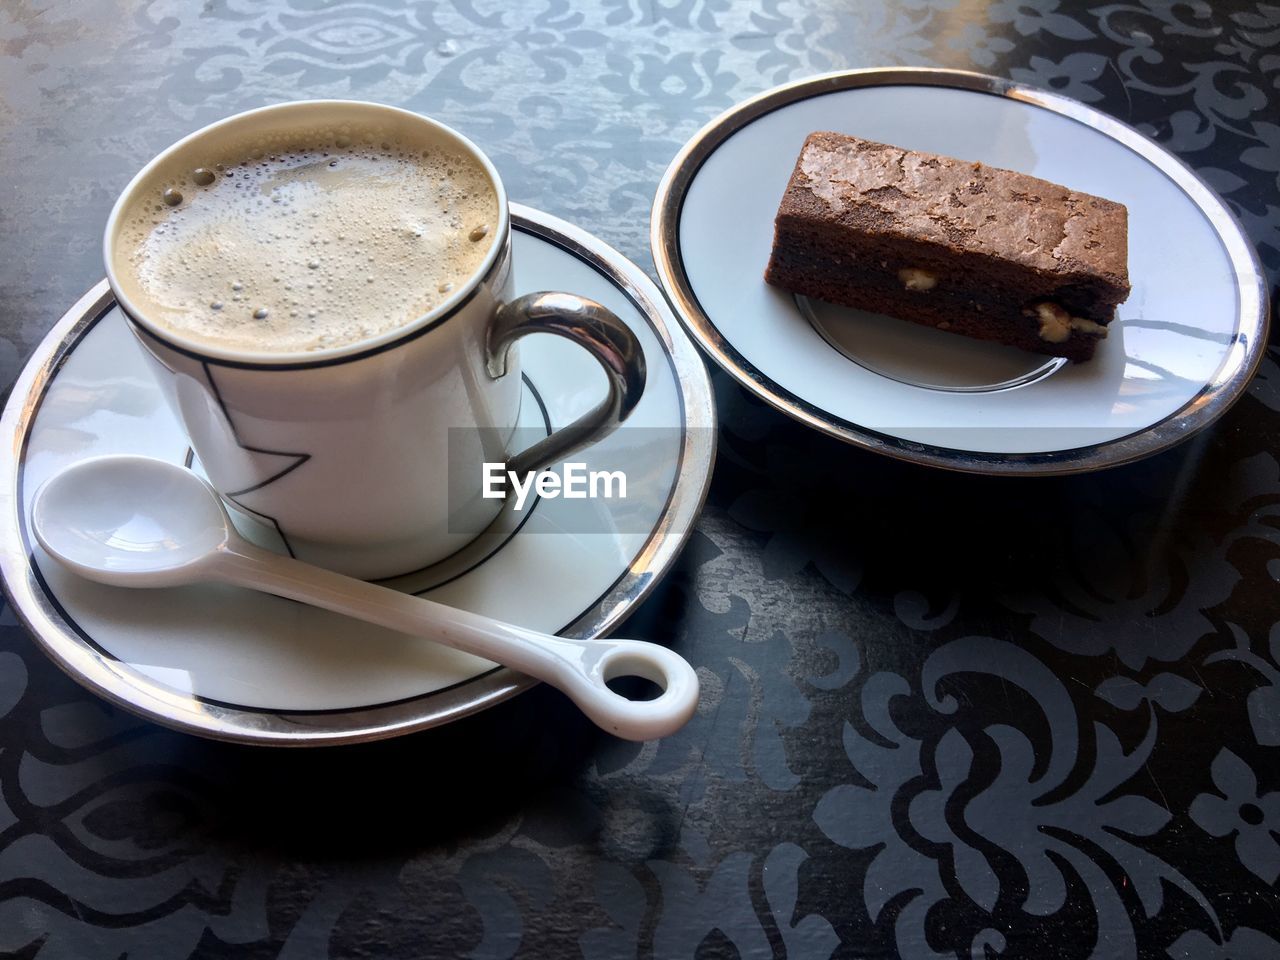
(309, 242)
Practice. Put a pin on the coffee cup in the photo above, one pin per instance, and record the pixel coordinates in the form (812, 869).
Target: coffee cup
(323, 290)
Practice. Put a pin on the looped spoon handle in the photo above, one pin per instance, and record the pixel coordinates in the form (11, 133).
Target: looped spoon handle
(139, 522)
(579, 668)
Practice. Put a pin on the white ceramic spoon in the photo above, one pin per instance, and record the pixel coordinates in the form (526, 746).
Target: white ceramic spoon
(138, 522)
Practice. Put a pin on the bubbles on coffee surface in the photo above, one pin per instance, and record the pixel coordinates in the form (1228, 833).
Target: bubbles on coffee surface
(307, 243)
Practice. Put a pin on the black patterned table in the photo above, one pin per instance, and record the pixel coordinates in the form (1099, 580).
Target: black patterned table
(943, 715)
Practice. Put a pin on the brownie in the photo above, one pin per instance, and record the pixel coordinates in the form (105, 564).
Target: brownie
(951, 244)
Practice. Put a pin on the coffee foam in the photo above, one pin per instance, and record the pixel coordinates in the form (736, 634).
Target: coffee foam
(306, 242)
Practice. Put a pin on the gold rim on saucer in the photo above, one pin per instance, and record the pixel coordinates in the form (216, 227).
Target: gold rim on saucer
(77, 654)
(1213, 398)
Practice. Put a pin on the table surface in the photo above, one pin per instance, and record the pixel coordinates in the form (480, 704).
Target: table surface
(941, 714)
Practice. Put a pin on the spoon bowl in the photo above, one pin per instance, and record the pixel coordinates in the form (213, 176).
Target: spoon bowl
(120, 520)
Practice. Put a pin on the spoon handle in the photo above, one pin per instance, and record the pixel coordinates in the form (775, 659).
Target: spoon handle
(579, 668)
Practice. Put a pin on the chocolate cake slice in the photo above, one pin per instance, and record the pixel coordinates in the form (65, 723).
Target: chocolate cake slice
(951, 244)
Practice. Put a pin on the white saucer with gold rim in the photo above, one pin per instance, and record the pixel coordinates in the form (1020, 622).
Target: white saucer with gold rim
(223, 662)
(1180, 352)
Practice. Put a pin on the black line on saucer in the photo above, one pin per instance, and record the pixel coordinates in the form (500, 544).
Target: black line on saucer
(65, 349)
(769, 389)
(189, 461)
(546, 421)
(72, 341)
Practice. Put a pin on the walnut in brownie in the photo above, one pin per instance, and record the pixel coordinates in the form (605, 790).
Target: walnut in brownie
(952, 244)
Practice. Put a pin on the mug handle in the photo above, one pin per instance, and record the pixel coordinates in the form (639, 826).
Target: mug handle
(591, 326)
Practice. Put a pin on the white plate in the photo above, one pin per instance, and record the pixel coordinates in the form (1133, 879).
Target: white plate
(238, 665)
(1181, 351)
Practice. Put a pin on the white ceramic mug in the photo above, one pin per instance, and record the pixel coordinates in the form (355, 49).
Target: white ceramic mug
(348, 452)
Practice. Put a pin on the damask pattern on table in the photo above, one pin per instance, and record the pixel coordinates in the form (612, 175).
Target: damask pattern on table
(938, 718)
